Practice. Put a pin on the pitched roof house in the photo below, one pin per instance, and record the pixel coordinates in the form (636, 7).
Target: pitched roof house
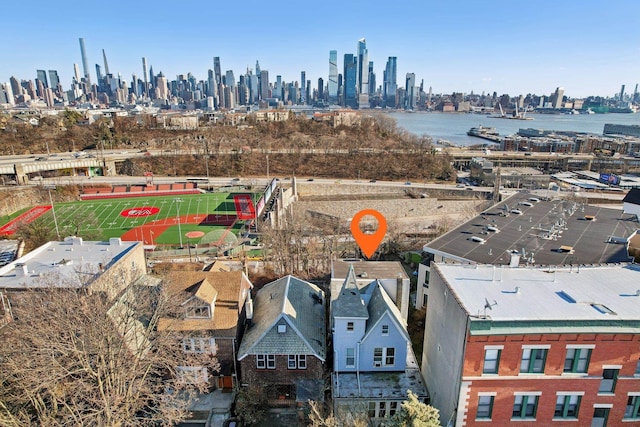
(284, 350)
(210, 319)
(373, 362)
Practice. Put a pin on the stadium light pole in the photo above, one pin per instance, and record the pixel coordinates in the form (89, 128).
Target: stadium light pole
(178, 201)
(53, 211)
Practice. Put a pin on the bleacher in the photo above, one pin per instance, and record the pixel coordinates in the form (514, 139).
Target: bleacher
(122, 191)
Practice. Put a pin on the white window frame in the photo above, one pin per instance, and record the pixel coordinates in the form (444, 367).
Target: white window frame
(271, 361)
(192, 374)
(198, 345)
(380, 361)
(385, 330)
(350, 358)
(193, 312)
(351, 326)
(265, 361)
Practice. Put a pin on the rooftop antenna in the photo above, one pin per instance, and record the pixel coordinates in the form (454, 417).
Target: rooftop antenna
(488, 305)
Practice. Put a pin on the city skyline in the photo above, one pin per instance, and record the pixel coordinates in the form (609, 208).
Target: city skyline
(467, 46)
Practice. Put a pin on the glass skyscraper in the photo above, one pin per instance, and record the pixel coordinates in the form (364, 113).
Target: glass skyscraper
(390, 82)
(350, 77)
(363, 74)
(333, 77)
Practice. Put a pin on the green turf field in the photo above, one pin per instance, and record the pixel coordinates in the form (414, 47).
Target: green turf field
(161, 220)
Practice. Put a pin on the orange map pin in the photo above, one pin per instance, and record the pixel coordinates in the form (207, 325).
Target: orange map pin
(368, 242)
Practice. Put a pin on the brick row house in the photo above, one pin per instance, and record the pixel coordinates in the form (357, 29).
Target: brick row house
(283, 352)
(534, 346)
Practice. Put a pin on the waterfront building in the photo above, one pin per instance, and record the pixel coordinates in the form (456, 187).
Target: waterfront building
(332, 87)
(8, 93)
(556, 98)
(410, 94)
(539, 345)
(363, 74)
(350, 80)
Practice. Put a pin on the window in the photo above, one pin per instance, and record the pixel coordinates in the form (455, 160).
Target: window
(199, 345)
(385, 329)
(192, 374)
(633, 407)
(567, 406)
(390, 357)
(382, 409)
(349, 326)
(491, 361)
(200, 312)
(393, 408)
(577, 360)
(600, 416)
(608, 383)
(351, 358)
(377, 356)
(297, 361)
(384, 356)
(485, 407)
(533, 360)
(525, 406)
(265, 361)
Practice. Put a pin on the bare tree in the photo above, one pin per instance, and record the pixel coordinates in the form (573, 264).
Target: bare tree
(74, 358)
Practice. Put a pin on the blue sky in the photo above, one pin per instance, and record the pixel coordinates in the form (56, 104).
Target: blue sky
(589, 47)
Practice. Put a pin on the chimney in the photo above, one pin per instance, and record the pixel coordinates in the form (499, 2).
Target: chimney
(515, 259)
(399, 292)
(21, 270)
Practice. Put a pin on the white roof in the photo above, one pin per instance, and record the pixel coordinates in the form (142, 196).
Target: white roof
(585, 293)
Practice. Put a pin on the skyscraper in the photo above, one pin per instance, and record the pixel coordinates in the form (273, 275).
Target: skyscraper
(363, 74)
(557, 97)
(303, 87)
(410, 92)
(320, 89)
(42, 76)
(54, 80)
(333, 77)
(372, 79)
(144, 76)
(106, 65)
(264, 84)
(85, 63)
(350, 77)
(390, 82)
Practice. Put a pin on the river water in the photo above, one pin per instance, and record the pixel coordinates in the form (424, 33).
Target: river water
(453, 127)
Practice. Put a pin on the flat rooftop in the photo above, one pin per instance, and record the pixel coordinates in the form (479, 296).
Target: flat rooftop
(71, 263)
(555, 232)
(368, 270)
(577, 293)
(380, 385)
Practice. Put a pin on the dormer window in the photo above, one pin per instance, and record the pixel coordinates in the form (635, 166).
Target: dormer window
(198, 312)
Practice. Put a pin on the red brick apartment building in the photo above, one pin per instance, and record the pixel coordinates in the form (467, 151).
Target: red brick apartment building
(534, 346)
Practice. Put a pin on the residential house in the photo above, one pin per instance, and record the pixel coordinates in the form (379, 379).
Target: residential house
(534, 345)
(373, 362)
(283, 352)
(210, 319)
(390, 274)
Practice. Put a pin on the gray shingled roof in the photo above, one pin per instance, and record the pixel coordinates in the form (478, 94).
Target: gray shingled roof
(293, 303)
(349, 302)
(633, 196)
(379, 304)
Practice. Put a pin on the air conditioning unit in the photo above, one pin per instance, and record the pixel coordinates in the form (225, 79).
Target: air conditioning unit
(377, 364)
